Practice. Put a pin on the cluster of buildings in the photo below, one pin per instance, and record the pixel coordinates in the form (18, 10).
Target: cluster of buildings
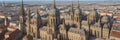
(73, 26)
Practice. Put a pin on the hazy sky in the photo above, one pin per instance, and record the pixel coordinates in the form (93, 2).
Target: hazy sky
(60, 0)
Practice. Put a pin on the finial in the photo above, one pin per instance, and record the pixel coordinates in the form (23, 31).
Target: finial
(71, 8)
(54, 4)
(72, 4)
(22, 9)
(22, 2)
(78, 5)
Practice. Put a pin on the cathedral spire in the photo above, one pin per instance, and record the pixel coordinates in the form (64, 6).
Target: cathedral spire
(78, 5)
(28, 12)
(22, 9)
(37, 11)
(54, 4)
(72, 6)
(37, 14)
(37, 18)
(22, 18)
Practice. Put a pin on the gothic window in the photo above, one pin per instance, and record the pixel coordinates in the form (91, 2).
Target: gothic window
(95, 33)
(81, 38)
(98, 33)
(77, 19)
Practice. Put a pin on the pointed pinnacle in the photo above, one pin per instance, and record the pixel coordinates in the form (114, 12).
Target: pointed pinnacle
(78, 5)
(37, 11)
(54, 4)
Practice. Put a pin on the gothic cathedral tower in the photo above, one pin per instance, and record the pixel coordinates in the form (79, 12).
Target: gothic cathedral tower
(22, 18)
(71, 14)
(37, 21)
(54, 19)
(78, 16)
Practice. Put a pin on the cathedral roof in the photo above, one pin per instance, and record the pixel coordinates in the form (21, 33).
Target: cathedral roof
(115, 34)
(78, 31)
(44, 28)
(99, 39)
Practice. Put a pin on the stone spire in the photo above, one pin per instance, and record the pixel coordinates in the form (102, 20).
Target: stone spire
(71, 8)
(28, 21)
(37, 13)
(22, 12)
(78, 5)
(37, 20)
(54, 4)
(71, 14)
(22, 19)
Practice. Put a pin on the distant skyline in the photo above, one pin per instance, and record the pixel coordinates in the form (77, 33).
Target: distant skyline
(60, 0)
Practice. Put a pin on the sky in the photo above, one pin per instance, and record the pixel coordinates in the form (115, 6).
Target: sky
(60, 0)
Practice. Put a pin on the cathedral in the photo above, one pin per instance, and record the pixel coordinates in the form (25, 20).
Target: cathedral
(72, 27)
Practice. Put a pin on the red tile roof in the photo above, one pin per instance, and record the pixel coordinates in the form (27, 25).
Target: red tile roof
(115, 34)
